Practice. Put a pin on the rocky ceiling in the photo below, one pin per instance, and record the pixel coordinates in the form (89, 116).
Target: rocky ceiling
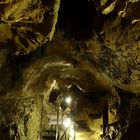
(91, 47)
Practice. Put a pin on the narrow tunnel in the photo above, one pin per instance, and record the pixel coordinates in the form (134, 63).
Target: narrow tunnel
(69, 70)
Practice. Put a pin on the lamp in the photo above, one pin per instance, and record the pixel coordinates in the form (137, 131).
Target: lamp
(68, 100)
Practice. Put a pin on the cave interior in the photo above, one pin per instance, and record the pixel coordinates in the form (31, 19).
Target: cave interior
(69, 70)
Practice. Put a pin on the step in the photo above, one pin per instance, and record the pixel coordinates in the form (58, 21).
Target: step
(48, 137)
(48, 134)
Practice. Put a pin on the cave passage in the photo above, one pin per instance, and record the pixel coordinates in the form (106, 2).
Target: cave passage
(79, 19)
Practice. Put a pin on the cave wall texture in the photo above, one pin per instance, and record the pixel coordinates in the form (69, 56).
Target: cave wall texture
(27, 24)
(95, 48)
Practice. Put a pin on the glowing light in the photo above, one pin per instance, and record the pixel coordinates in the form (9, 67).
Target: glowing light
(68, 100)
(72, 133)
(67, 122)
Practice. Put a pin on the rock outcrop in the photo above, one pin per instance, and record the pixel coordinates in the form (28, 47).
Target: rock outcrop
(27, 24)
(98, 59)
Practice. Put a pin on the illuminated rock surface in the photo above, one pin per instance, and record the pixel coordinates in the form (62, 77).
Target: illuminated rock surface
(97, 56)
(27, 24)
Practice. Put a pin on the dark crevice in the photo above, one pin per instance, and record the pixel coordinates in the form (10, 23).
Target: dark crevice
(78, 19)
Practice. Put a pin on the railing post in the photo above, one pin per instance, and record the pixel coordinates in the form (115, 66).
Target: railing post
(57, 125)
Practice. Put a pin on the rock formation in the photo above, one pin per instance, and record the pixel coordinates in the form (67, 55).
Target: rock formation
(25, 25)
(94, 54)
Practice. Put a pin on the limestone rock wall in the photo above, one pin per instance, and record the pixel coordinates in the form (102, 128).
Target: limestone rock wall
(27, 24)
(20, 118)
(97, 67)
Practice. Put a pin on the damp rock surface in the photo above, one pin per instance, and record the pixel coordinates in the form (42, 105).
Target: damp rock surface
(94, 60)
(27, 24)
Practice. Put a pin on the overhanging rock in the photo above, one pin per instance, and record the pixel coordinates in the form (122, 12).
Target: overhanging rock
(27, 24)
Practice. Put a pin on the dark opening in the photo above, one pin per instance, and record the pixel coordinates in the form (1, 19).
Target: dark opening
(78, 19)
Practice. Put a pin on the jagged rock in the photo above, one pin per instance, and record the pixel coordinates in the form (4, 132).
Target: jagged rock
(27, 24)
(120, 54)
(20, 118)
(97, 67)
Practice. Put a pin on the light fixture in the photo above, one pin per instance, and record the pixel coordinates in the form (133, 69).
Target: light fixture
(67, 122)
(68, 100)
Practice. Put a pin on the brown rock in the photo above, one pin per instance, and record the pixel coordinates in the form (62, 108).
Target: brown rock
(27, 24)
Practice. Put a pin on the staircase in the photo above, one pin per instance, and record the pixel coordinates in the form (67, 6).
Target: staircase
(48, 135)
(54, 129)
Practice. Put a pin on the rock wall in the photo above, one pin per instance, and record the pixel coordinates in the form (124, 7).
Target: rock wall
(20, 118)
(97, 66)
(25, 25)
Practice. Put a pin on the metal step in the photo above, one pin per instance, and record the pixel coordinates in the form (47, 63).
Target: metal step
(48, 135)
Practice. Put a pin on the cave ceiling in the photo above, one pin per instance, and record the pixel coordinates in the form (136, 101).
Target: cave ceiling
(92, 47)
(99, 40)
